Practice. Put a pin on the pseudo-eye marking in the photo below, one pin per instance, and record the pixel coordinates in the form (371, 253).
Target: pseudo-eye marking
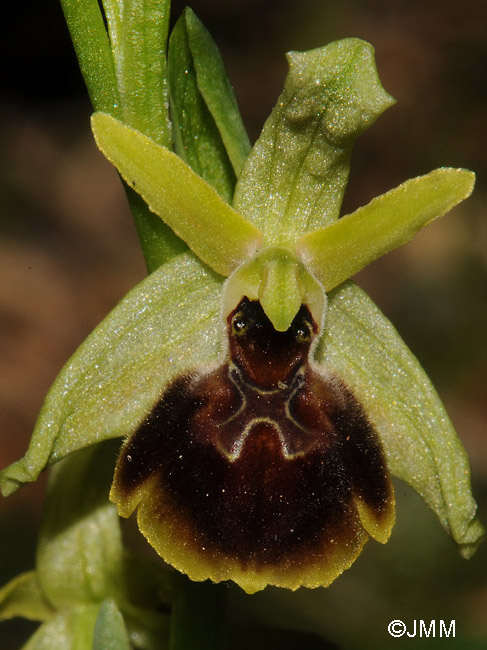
(265, 470)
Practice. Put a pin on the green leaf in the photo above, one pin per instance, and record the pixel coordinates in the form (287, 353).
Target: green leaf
(93, 50)
(196, 137)
(169, 323)
(69, 630)
(338, 251)
(142, 76)
(110, 631)
(217, 91)
(79, 554)
(293, 180)
(421, 446)
(23, 596)
(192, 208)
(138, 34)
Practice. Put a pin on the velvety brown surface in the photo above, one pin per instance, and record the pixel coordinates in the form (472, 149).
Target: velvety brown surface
(263, 456)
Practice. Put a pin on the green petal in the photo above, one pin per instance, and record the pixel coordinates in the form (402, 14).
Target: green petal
(192, 208)
(110, 631)
(80, 553)
(159, 243)
(217, 91)
(421, 446)
(69, 630)
(338, 251)
(23, 596)
(294, 179)
(170, 322)
(196, 137)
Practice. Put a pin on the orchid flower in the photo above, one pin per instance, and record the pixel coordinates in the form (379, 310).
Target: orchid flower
(263, 398)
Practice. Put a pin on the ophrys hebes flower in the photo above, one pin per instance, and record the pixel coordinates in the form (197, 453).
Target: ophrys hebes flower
(262, 410)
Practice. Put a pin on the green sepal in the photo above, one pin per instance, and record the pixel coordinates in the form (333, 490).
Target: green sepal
(80, 553)
(419, 441)
(196, 137)
(280, 282)
(23, 596)
(68, 630)
(217, 91)
(338, 251)
(215, 232)
(110, 632)
(169, 323)
(294, 178)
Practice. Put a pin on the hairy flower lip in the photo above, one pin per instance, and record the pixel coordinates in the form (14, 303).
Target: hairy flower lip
(238, 479)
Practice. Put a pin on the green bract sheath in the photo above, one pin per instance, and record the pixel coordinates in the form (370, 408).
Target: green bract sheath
(207, 128)
(263, 398)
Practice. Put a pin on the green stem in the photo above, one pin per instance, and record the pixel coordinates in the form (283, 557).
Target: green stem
(198, 617)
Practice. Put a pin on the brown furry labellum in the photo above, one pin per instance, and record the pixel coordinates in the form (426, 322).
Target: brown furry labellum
(265, 470)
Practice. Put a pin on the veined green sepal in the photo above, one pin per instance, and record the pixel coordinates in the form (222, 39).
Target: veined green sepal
(361, 346)
(166, 325)
(213, 230)
(281, 283)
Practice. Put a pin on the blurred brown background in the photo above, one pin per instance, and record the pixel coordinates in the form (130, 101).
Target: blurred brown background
(68, 253)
